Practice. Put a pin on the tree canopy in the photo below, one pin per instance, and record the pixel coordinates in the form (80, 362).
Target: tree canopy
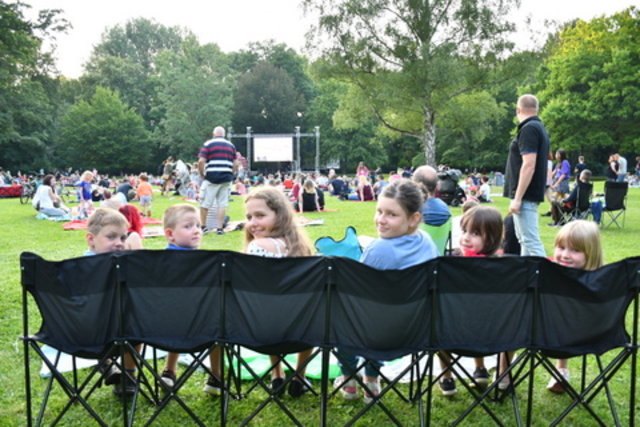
(105, 133)
(408, 59)
(591, 85)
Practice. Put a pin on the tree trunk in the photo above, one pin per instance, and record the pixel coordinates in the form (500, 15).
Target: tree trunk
(429, 139)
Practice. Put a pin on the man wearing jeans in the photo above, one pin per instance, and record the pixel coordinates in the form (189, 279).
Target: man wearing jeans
(526, 175)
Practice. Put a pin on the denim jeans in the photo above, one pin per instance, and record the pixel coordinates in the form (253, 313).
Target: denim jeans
(349, 362)
(526, 227)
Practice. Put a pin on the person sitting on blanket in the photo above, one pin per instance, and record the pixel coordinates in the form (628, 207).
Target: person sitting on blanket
(311, 198)
(46, 200)
(107, 232)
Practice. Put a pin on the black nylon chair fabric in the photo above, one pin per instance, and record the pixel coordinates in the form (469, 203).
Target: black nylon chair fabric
(78, 301)
(173, 298)
(483, 306)
(380, 314)
(275, 305)
(582, 311)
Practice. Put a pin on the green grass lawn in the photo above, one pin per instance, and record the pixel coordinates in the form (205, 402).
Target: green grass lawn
(20, 232)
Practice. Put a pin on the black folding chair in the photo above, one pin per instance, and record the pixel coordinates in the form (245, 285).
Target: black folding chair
(79, 317)
(582, 206)
(583, 313)
(481, 311)
(615, 200)
(280, 313)
(172, 300)
(359, 295)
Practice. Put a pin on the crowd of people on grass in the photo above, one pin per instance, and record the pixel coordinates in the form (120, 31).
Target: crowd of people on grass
(405, 200)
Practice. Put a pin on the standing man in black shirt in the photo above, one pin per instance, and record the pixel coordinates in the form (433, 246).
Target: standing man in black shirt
(526, 175)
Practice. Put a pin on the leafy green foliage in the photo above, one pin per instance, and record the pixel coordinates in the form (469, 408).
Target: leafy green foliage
(194, 94)
(105, 134)
(266, 99)
(591, 91)
(406, 58)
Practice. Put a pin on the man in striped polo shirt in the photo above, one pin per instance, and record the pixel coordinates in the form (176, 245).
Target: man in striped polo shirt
(216, 163)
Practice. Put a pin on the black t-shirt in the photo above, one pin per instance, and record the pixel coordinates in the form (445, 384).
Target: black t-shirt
(338, 186)
(532, 138)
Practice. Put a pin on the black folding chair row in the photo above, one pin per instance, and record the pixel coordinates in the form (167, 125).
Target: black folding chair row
(193, 301)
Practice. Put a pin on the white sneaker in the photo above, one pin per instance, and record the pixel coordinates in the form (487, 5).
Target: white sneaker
(556, 386)
(371, 391)
(348, 389)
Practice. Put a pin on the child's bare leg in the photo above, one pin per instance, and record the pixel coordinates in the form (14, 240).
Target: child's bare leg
(214, 360)
(277, 371)
(445, 362)
(128, 361)
(562, 364)
(479, 361)
(171, 364)
(301, 366)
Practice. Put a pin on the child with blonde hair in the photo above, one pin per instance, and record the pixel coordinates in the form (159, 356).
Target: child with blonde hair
(107, 232)
(577, 245)
(271, 231)
(86, 202)
(181, 223)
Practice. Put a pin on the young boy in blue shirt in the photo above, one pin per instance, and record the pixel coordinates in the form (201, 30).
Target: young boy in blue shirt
(183, 232)
(107, 232)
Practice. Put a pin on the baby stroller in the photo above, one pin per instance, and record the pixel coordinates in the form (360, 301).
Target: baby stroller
(448, 189)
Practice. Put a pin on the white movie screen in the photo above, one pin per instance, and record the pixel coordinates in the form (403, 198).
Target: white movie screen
(273, 149)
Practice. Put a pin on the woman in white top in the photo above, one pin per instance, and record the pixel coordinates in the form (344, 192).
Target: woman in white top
(46, 201)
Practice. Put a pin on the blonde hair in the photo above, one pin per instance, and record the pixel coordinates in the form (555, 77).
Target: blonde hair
(285, 227)
(86, 176)
(174, 213)
(309, 186)
(583, 236)
(103, 217)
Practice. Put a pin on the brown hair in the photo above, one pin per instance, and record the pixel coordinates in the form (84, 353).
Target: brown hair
(174, 213)
(103, 217)
(487, 222)
(285, 227)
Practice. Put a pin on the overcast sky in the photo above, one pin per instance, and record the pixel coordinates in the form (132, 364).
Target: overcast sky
(231, 24)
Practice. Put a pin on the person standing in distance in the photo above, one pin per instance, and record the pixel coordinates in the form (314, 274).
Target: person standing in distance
(216, 164)
(526, 175)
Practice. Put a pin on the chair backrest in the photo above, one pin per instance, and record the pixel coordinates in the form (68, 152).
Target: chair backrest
(440, 234)
(614, 195)
(583, 199)
(348, 247)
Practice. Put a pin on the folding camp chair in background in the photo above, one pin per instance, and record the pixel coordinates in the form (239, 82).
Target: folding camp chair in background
(615, 200)
(582, 206)
(348, 247)
(441, 236)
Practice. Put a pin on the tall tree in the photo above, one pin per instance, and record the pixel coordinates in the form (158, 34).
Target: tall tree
(105, 133)
(267, 100)
(195, 94)
(591, 95)
(409, 58)
(125, 61)
(26, 111)
(347, 141)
